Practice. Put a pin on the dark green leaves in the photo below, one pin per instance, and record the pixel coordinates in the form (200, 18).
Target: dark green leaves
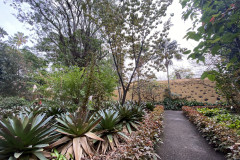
(74, 125)
(211, 75)
(25, 136)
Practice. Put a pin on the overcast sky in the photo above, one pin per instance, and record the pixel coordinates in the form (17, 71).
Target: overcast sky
(177, 32)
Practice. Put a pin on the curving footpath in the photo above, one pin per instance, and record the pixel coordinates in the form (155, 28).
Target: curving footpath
(182, 141)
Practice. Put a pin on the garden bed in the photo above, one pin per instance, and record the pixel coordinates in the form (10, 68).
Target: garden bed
(115, 132)
(141, 143)
(219, 127)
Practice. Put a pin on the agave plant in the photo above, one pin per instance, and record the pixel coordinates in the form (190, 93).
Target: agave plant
(23, 137)
(35, 110)
(130, 115)
(54, 111)
(78, 138)
(109, 130)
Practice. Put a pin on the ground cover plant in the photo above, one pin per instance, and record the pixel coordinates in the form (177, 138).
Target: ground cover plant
(218, 127)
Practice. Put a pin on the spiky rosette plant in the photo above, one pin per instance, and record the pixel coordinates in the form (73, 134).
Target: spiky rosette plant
(109, 129)
(24, 136)
(78, 138)
(130, 115)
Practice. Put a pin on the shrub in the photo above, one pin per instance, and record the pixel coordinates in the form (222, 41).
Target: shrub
(218, 134)
(149, 106)
(176, 104)
(10, 102)
(210, 112)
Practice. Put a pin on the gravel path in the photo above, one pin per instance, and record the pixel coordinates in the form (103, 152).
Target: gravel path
(182, 141)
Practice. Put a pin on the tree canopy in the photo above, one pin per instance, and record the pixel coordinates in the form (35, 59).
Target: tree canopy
(217, 28)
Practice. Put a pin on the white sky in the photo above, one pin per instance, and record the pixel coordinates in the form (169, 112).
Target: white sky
(177, 32)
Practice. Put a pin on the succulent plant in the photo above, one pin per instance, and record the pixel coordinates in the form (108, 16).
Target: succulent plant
(24, 136)
(109, 129)
(78, 138)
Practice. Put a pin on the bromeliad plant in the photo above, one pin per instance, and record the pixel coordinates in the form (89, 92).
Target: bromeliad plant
(130, 115)
(78, 138)
(23, 137)
(110, 130)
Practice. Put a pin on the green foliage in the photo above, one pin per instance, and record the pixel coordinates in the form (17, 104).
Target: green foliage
(149, 89)
(11, 82)
(15, 65)
(149, 106)
(58, 156)
(25, 136)
(76, 129)
(3, 33)
(70, 86)
(110, 130)
(75, 125)
(219, 33)
(130, 115)
(176, 104)
(110, 120)
(10, 102)
(210, 112)
(129, 28)
(217, 131)
(64, 42)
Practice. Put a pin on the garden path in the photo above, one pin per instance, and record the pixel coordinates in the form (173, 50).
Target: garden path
(182, 141)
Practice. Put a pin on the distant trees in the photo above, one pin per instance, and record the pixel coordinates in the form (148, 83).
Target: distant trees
(182, 73)
(15, 65)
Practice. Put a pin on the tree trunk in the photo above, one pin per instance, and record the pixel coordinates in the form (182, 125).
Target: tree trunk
(132, 91)
(169, 91)
(139, 90)
(124, 97)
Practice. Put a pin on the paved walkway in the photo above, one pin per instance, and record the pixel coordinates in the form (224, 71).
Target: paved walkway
(182, 141)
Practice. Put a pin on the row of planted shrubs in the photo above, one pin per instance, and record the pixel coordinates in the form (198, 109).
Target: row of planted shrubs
(177, 103)
(30, 134)
(219, 127)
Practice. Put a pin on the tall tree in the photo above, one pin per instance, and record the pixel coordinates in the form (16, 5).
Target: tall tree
(166, 50)
(217, 28)
(129, 29)
(15, 65)
(68, 30)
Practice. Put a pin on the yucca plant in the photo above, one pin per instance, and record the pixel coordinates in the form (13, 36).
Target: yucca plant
(24, 136)
(130, 115)
(78, 138)
(109, 129)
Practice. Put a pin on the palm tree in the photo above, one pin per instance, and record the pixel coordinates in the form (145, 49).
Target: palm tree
(19, 39)
(169, 50)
